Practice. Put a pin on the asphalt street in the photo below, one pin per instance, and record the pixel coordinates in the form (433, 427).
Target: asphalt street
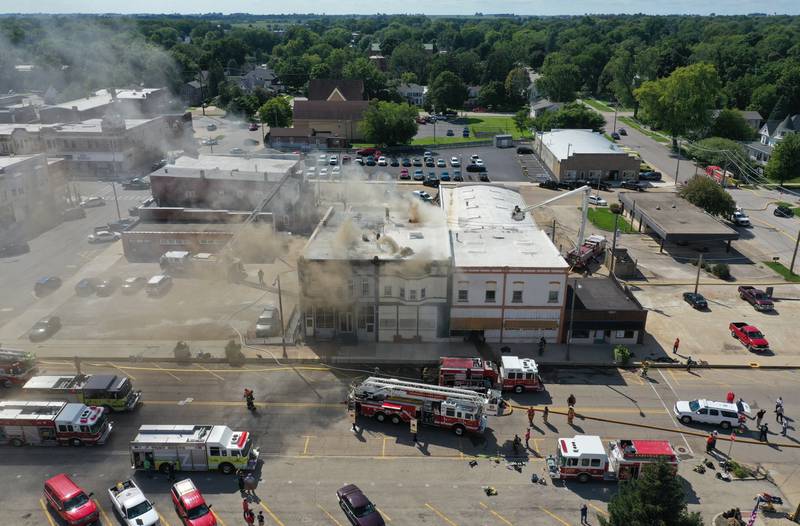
(309, 450)
(61, 251)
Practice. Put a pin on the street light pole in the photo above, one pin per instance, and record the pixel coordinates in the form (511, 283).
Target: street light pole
(697, 278)
(280, 311)
(114, 164)
(794, 256)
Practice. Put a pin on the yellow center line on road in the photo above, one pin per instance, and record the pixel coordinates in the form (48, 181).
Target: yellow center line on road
(487, 508)
(169, 373)
(222, 371)
(46, 513)
(383, 513)
(331, 517)
(536, 446)
(106, 520)
(305, 447)
(674, 378)
(383, 448)
(162, 519)
(272, 515)
(440, 514)
(556, 517)
(123, 372)
(220, 521)
(222, 403)
(598, 510)
(212, 373)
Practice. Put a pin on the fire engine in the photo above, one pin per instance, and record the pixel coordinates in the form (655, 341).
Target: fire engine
(514, 374)
(112, 391)
(583, 457)
(52, 423)
(398, 401)
(592, 247)
(16, 367)
(193, 448)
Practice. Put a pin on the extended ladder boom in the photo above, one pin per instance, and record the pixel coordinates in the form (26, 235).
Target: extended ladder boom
(392, 386)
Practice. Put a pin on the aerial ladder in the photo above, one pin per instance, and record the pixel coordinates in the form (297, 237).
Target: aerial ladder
(519, 213)
(376, 388)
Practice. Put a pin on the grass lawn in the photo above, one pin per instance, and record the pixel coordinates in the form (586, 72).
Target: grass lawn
(449, 140)
(493, 124)
(603, 218)
(653, 135)
(597, 105)
(780, 269)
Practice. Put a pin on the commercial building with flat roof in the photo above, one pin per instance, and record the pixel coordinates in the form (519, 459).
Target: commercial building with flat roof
(605, 312)
(584, 155)
(377, 274)
(673, 219)
(508, 278)
(135, 103)
(272, 184)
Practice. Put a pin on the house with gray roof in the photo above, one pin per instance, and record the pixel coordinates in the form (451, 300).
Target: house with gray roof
(771, 133)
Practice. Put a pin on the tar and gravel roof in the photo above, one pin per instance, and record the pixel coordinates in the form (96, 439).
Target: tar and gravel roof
(230, 167)
(566, 143)
(483, 233)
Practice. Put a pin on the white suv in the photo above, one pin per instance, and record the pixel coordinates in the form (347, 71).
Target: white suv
(720, 414)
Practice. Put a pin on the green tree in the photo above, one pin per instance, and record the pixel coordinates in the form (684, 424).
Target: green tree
(705, 193)
(730, 124)
(409, 77)
(276, 112)
(656, 498)
(572, 115)
(516, 86)
(492, 95)
(784, 163)
(717, 151)
(682, 102)
(374, 80)
(763, 99)
(216, 75)
(522, 120)
(447, 91)
(389, 123)
(559, 81)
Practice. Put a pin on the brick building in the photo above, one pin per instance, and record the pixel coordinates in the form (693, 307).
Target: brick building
(584, 155)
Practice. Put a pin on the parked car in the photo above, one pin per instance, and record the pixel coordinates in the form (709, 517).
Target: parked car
(85, 287)
(596, 200)
(46, 285)
(133, 284)
(209, 142)
(720, 414)
(615, 136)
(650, 176)
(71, 214)
(137, 183)
(478, 161)
(404, 174)
(103, 236)
(440, 163)
(417, 161)
(333, 160)
(454, 162)
(158, 285)
(549, 184)
(93, 202)
(429, 162)
(370, 161)
(236, 151)
(406, 162)
(253, 126)
(357, 507)
(70, 502)
(457, 176)
(524, 150)
(450, 133)
(695, 300)
(427, 154)
(749, 335)
(382, 161)
(632, 185)
(475, 168)
(336, 171)
(44, 328)
(465, 133)
(418, 175)
(484, 177)
(190, 505)
(107, 286)
(268, 322)
(360, 161)
(740, 218)
(323, 173)
(364, 152)
(756, 297)
(622, 131)
(783, 211)
(131, 504)
(444, 176)
(423, 195)
(394, 162)
(211, 127)
(345, 159)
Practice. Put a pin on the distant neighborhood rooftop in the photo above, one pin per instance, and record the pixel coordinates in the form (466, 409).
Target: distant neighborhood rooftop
(565, 143)
(230, 167)
(103, 97)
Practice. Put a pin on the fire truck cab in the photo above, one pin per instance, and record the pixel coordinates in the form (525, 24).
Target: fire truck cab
(16, 367)
(52, 423)
(584, 458)
(514, 374)
(398, 401)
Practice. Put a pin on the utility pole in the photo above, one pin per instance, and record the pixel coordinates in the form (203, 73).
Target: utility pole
(613, 245)
(280, 311)
(114, 164)
(697, 278)
(614, 128)
(794, 256)
(553, 235)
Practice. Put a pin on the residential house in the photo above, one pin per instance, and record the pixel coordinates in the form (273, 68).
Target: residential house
(413, 93)
(770, 134)
(261, 76)
(192, 93)
(542, 106)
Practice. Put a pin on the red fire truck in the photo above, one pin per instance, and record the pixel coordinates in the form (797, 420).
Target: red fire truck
(16, 367)
(398, 401)
(52, 423)
(592, 247)
(514, 374)
(583, 457)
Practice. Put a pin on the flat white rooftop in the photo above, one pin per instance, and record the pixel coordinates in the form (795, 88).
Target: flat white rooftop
(10, 160)
(93, 125)
(565, 143)
(103, 97)
(229, 167)
(483, 233)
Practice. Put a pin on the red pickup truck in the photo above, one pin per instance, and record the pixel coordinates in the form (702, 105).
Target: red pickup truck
(750, 336)
(757, 298)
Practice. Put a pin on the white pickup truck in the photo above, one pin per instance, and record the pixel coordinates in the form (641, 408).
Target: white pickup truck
(132, 505)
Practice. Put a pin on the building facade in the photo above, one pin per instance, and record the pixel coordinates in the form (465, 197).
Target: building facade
(508, 279)
(413, 93)
(605, 312)
(584, 155)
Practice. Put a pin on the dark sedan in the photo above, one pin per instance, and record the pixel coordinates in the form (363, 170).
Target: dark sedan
(695, 300)
(46, 285)
(783, 211)
(107, 287)
(406, 162)
(358, 508)
(85, 287)
(394, 162)
(549, 184)
(44, 328)
(632, 185)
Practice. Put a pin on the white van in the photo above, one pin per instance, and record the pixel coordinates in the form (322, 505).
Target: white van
(159, 285)
(720, 414)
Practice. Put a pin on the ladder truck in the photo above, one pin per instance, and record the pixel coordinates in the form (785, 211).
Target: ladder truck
(398, 401)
